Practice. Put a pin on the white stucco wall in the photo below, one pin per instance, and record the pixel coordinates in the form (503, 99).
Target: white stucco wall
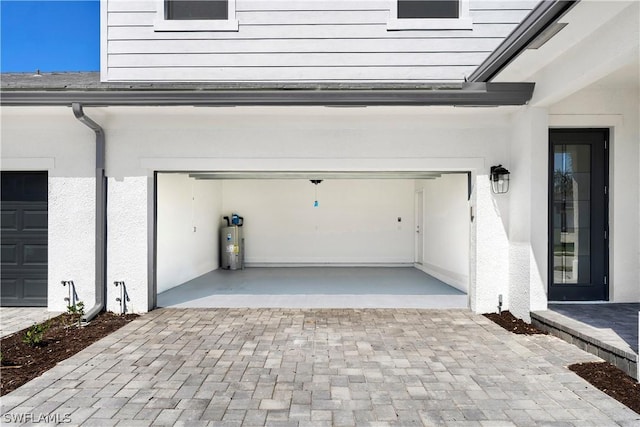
(356, 221)
(142, 140)
(51, 139)
(188, 221)
(283, 138)
(446, 229)
(528, 213)
(71, 245)
(317, 138)
(489, 249)
(127, 248)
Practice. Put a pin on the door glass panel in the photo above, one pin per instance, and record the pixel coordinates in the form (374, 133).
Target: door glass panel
(571, 214)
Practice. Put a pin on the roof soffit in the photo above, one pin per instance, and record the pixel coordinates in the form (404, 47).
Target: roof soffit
(586, 17)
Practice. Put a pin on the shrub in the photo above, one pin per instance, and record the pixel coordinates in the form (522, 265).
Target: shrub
(35, 334)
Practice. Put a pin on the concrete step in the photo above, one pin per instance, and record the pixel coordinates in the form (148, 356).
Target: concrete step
(602, 343)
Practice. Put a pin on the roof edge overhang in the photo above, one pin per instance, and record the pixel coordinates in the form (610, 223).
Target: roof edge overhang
(546, 13)
(467, 94)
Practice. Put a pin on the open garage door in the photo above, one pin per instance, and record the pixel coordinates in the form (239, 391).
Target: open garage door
(360, 229)
(24, 239)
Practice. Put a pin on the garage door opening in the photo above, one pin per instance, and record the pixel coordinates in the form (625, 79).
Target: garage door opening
(361, 239)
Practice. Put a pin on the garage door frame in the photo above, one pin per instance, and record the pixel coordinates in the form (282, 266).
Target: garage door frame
(468, 166)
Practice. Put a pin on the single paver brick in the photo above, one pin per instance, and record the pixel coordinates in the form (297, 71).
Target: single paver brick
(417, 392)
(162, 403)
(271, 404)
(385, 413)
(340, 393)
(255, 417)
(167, 417)
(300, 412)
(321, 415)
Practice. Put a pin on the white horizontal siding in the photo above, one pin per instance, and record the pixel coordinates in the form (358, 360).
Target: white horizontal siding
(262, 5)
(317, 17)
(304, 40)
(431, 59)
(503, 4)
(293, 74)
(382, 46)
(267, 32)
(248, 5)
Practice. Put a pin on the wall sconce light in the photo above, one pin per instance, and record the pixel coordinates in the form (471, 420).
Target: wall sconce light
(499, 178)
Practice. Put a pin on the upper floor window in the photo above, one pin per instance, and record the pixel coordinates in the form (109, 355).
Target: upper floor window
(428, 9)
(429, 15)
(187, 9)
(196, 15)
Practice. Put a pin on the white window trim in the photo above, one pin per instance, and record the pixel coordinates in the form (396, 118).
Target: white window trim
(163, 24)
(464, 22)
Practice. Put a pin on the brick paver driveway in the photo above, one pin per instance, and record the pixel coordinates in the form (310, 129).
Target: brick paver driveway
(318, 367)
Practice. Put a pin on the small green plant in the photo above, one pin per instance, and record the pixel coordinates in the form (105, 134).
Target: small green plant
(35, 334)
(76, 309)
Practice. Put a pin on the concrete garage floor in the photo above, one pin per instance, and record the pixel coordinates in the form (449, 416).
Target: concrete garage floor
(315, 287)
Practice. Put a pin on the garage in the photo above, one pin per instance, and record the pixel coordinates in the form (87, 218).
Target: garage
(315, 239)
(24, 239)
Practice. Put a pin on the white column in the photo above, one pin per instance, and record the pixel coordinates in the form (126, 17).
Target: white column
(528, 230)
(71, 247)
(127, 244)
(489, 248)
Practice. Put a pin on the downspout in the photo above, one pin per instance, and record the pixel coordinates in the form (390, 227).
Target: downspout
(101, 213)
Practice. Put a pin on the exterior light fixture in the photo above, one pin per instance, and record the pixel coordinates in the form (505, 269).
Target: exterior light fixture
(499, 178)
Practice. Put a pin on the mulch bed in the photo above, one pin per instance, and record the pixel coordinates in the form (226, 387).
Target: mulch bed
(509, 322)
(22, 362)
(612, 381)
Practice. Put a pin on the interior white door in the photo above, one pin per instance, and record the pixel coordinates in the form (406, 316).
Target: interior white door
(419, 223)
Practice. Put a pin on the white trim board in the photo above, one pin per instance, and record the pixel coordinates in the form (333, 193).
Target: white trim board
(586, 120)
(27, 163)
(181, 164)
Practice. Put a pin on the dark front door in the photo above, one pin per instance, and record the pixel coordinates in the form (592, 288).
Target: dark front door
(578, 215)
(24, 239)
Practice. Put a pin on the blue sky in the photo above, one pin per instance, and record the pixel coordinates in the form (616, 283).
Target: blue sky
(49, 35)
